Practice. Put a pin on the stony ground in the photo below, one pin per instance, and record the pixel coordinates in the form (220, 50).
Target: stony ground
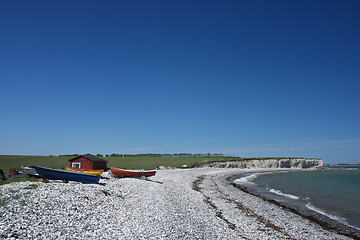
(175, 204)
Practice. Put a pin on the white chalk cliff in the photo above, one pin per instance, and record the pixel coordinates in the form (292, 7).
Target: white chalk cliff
(268, 163)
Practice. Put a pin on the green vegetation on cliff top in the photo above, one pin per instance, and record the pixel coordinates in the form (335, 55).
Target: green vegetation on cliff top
(129, 162)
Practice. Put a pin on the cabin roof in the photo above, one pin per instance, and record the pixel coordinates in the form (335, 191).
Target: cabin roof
(91, 158)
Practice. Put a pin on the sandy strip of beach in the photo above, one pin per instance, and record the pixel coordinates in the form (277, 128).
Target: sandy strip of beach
(174, 204)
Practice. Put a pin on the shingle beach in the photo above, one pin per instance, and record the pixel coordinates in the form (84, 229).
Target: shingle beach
(175, 204)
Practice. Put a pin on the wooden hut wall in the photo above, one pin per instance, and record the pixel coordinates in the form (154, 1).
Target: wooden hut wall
(85, 163)
(99, 165)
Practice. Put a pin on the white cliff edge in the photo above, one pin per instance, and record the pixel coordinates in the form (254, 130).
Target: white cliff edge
(268, 163)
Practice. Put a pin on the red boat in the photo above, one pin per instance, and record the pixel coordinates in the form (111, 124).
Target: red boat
(128, 173)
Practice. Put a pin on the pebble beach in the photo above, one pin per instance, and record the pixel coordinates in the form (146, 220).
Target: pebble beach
(197, 203)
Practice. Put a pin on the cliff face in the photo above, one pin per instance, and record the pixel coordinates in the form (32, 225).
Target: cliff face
(269, 163)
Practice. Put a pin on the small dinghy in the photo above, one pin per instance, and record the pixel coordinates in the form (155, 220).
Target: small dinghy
(117, 172)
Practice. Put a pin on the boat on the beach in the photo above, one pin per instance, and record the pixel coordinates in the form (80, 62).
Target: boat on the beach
(117, 172)
(97, 172)
(57, 174)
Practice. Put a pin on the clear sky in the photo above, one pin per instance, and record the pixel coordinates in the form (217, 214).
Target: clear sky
(245, 78)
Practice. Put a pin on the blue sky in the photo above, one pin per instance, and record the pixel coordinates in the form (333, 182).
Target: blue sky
(245, 78)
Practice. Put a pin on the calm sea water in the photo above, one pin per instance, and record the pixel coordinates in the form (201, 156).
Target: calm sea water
(334, 191)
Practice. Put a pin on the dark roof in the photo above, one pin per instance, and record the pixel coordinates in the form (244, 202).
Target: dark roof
(92, 158)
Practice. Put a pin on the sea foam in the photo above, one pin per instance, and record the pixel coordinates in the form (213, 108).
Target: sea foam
(278, 192)
(247, 179)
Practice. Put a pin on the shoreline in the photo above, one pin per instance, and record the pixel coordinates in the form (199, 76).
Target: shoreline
(318, 218)
(197, 203)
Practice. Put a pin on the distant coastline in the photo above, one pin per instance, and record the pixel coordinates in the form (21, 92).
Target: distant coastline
(341, 164)
(152, 161)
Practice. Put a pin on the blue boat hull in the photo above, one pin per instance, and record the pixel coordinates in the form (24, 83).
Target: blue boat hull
(56, 174)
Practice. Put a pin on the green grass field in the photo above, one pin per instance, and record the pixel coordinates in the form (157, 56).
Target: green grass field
(15, 161)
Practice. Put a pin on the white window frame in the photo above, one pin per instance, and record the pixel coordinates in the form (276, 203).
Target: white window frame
(75, 164)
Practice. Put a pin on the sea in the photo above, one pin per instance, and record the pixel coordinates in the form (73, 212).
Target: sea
(333, 191)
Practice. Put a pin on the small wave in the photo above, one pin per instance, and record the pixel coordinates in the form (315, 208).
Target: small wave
(278, 192)
(247, 179)
(333, 217)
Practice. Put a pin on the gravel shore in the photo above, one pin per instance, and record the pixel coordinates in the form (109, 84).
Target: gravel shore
(174, 204)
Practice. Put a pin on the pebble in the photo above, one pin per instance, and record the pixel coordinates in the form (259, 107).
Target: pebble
(166, 207)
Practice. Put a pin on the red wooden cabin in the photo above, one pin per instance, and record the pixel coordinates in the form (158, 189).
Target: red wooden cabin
(88, 162)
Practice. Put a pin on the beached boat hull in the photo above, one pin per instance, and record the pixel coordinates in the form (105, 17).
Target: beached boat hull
(127, 173)
(30, 171)
(56, 174)
(87, 171)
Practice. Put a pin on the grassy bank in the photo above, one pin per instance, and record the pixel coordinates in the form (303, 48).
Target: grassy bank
(15, 161)
(154, 162)
(129, 162)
